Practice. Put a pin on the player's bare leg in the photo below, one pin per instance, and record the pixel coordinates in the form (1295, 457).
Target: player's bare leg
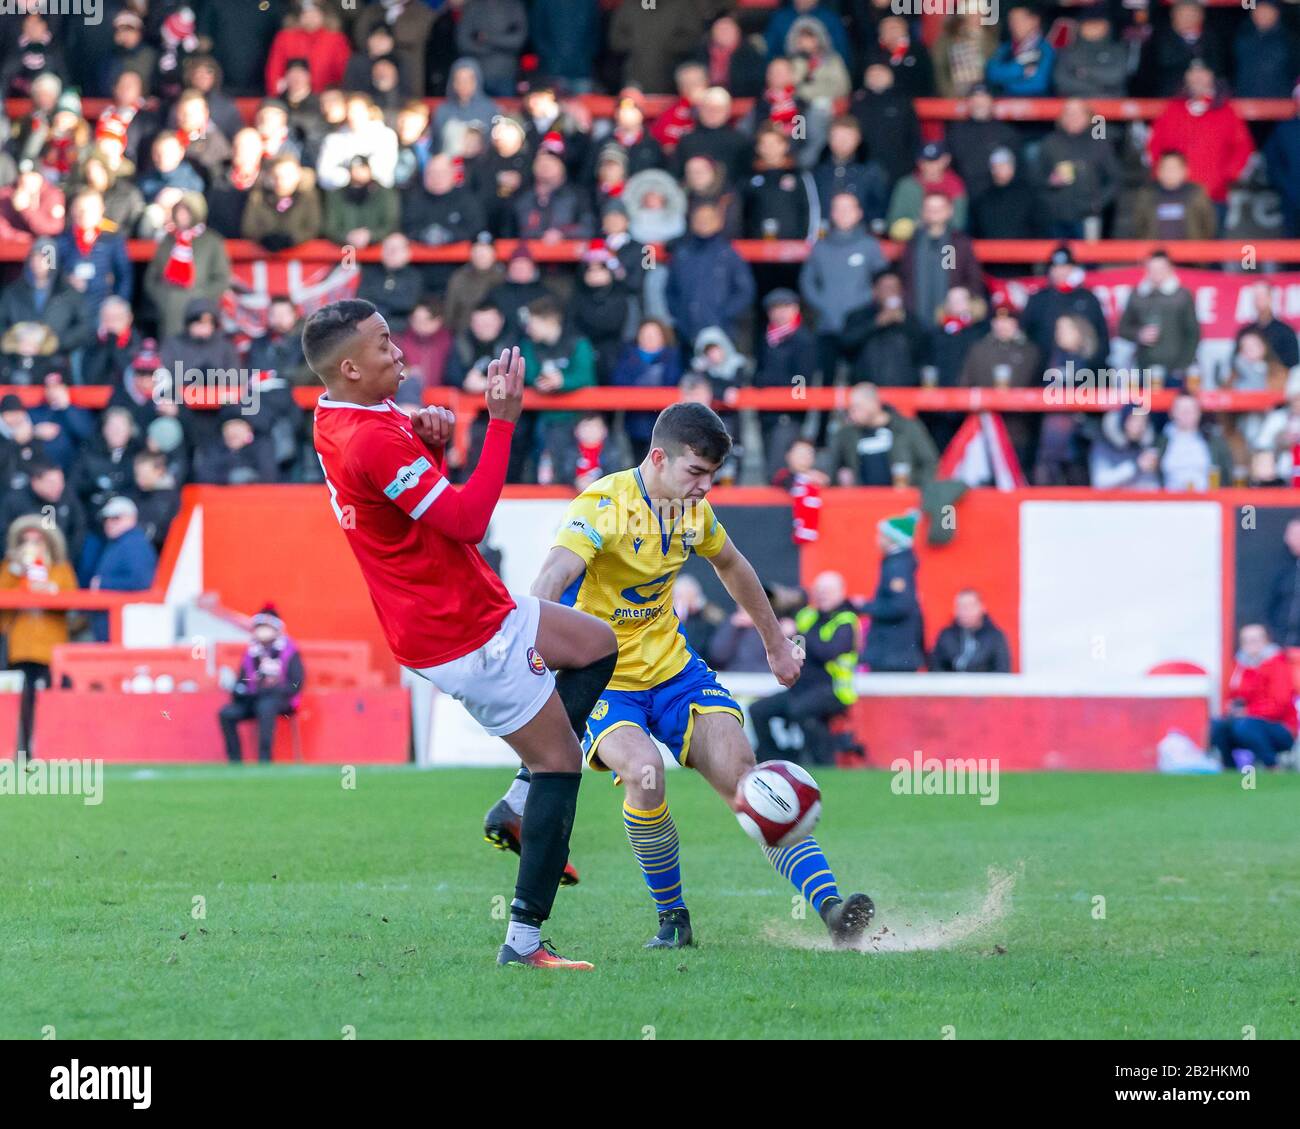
(628, 751)
(548, 748)
(582, 650)
(721, 753)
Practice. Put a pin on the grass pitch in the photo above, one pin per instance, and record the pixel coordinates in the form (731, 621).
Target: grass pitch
(376, 911)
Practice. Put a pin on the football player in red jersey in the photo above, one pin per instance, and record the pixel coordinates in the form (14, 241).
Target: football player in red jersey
(445, 613)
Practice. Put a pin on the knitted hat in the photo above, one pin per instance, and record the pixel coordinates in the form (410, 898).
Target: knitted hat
(268, 617)
(901, 530)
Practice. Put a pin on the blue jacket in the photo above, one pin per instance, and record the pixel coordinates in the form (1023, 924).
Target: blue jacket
(76, 425)
(566, 34)
(128, 563)
(1266, 63)
(1283, 156)
(896, 638)
(1008, 76)
(708, 284)
(782, 20)
(112, 268)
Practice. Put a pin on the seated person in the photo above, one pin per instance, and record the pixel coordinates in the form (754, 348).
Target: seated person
(972, 643)
(269, 685)
(1261, 717)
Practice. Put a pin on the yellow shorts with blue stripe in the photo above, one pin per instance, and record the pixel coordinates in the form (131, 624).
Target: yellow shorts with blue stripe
(666, 712)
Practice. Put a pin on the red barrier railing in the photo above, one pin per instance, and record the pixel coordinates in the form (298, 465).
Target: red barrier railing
(1006, 251)
(927, 109)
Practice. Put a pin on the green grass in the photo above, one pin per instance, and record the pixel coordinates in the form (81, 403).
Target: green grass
(373, 908)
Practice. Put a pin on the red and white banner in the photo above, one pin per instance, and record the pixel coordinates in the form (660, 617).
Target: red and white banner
(252, 286)
(1223, 300)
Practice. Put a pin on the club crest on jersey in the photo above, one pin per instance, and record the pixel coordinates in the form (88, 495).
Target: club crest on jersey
(690, 536)
(599, 710)
(535, 661)
(407, 477)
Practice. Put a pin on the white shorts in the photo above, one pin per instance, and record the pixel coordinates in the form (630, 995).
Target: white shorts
(505, 683)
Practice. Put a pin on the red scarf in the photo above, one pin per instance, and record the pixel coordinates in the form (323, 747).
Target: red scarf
(806, 509)
(674, 124)
(122, 340)
(588, 458)
(1295, 464)
(179, 270)
(778, 333)
(783, 108)
(899, 51)
(85, 240)
(952, 323)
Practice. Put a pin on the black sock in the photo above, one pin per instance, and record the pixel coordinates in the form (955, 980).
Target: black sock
(544, 844)
(580, 688)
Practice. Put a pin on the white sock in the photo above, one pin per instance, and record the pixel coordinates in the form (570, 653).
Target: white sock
(524, 939)
(517, 795)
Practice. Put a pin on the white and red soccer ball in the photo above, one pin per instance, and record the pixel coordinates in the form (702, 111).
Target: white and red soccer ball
(779, 803)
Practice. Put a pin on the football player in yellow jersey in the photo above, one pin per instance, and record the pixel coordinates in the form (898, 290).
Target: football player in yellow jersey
(618, 551)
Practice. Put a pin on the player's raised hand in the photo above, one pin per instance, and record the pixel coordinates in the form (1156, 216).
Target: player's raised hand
(786, 662)
(505, 390)
(434, 425)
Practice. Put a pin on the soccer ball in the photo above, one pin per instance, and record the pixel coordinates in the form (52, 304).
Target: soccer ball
(779, 803)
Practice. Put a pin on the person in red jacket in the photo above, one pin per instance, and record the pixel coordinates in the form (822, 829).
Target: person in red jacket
(311, 36)
(1261, 714)
(1203, 126)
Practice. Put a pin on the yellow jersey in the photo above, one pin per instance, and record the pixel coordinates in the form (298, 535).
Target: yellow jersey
(632, 558)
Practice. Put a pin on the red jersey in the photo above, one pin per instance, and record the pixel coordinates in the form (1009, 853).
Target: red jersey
(435, 595)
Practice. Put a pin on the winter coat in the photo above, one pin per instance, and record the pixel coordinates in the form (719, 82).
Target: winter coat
(63, 310)
(891, 130)
(971, 143)
(1265, 688)
(410, 31)
(1093, 166)
(376, 212)
(982, 651)
(493, 33)
(887, 353)
(836, 276)
(566, 34)
(895, 639)
(1113, 457)
(654, 41)
(211, 279)
(1185, 213)
(1180, 332)
(1046, 305)
(900, 439)
(277, 229)
(106, 268)
(1089, 68)
(1024, 75)
(1216, 143)
(708, 284)
(327, 52)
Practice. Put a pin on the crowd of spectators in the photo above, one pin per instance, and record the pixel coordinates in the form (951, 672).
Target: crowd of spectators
(343, 146)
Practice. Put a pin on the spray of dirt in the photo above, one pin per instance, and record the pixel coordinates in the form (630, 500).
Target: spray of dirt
(897, 930)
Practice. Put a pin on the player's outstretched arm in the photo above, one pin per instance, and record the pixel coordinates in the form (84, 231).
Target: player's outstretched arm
(741, 581)
(560, 569)
(464, 514)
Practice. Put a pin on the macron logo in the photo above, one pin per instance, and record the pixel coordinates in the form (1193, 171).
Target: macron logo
(102, 1083)
(407, 477)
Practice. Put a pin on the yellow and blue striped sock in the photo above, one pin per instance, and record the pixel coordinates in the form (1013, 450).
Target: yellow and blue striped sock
(653, 836)
(806, 867)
